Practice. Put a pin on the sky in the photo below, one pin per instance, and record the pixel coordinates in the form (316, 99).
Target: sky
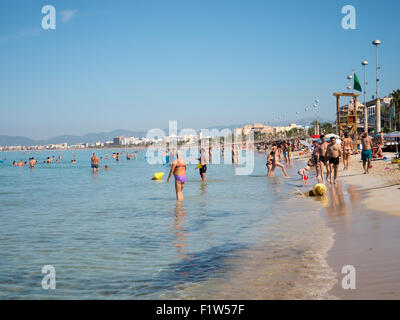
(138, 64)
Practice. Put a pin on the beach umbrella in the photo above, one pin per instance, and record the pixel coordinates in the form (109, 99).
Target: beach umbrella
(305, 143)
(330, 135)
(395, 134)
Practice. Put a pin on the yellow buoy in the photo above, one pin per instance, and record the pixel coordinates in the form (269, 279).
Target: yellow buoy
(319, 189)
(158, 176)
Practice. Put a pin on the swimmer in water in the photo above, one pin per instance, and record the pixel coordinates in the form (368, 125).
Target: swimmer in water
(94, 162)
(106, 167)
(203, 162)
(179, 170)
(303, 173)
(32, 162)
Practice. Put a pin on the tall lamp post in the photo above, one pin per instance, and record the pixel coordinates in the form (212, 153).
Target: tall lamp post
(316, 116)
(364, 64)
(349, 77)
(376, 43)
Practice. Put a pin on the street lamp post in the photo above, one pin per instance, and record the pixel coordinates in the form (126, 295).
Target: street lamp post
(316, 116)
(376, 43)
(364, 64)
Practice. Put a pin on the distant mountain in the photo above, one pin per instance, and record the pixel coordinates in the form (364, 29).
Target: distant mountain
(15, 141)
(108, 136)
(70, 139)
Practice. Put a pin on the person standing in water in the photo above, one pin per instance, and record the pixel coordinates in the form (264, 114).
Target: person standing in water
(94, 162)
(270, 162)
(334, 152)
(323, 159)
(366, 153)
(276, 162)
(347, 145)
(203, 163)
(179, 170)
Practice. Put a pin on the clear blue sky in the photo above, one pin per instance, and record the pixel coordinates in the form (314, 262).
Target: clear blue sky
(137, 64)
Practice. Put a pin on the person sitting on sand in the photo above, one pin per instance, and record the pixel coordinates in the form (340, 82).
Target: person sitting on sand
(334, 152)
(366, 153)
(377, 153)
(179, 170)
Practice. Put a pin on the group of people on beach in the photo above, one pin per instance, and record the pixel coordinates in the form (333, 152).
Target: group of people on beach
(326, 155)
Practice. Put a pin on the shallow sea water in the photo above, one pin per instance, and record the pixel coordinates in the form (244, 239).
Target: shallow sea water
(119, 235)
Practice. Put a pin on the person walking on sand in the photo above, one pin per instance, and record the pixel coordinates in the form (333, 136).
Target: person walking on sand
(179, 170)
(94, 162)
(366, 153)
(334, 152)
(203, 163)
(323, 159)
(347, 145)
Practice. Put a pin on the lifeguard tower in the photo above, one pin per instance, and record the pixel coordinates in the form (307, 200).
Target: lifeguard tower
(346, 120)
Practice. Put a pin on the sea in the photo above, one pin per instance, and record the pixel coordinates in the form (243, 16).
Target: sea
(118, 234)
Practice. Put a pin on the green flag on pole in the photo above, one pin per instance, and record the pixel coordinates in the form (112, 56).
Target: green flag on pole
(356, 85)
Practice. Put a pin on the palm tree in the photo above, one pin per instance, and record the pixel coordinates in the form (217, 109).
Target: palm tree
(396, 103)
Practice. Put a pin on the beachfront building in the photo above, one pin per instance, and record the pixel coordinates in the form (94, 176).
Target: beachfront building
(255, 128)
(284, 129)
(387, 113)
(118, 140)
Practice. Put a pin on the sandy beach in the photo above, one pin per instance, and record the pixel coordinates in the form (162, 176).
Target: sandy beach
(364, 213)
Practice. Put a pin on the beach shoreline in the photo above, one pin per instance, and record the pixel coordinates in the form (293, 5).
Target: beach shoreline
(364, 214)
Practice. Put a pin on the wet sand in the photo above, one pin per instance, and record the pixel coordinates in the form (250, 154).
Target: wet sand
(364, 213)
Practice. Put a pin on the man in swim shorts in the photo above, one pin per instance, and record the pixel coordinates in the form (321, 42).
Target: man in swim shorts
(323, 158)
(94, 162)
(203, 162)
(366, 153)
(334, 152)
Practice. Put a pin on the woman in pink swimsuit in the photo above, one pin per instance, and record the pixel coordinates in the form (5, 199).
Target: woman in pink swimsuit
(179, 170)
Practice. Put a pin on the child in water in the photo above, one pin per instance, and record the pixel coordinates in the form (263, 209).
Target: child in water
(303, 173)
